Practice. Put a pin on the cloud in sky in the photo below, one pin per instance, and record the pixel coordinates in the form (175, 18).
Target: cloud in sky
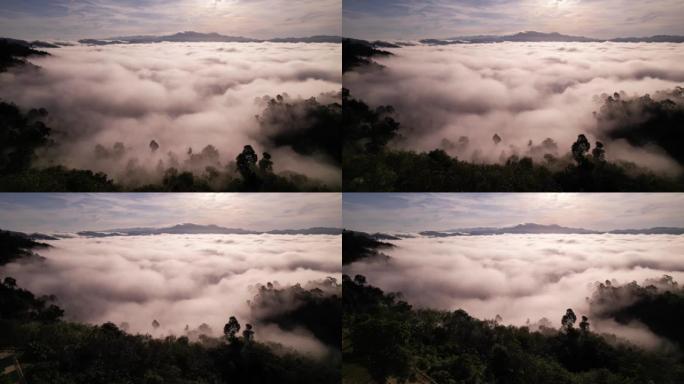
(412, 212)
(180, 95)
(412, 19)
(179, 279)
(66, 212)
(521, 92)
(75, 19)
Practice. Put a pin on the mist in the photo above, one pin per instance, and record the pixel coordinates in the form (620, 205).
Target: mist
(182, 281)
(107, 103)
(524, 278)
(457, 97)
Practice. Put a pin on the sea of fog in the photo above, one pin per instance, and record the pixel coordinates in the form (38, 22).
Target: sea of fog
(177, 280)
(520, 91)
(182, 95)
(523, 277)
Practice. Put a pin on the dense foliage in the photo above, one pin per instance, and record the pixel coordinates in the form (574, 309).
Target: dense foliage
(646, 120)
(52, 350)
(317, 309)
(384, 337)
(308, 126)
(15, 245)
(370, 164)
(356, 53)
(359, 245)
(55, 351)
(14, 52)
(657, 304)
(23, 134)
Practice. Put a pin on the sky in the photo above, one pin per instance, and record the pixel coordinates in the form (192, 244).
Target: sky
(414, 212)
(78, 19)
(71, 212)
(416, 19)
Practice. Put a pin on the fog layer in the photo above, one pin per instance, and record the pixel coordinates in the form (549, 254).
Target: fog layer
(523, 277)
(522, 92)
(178, 280)
(180, 95)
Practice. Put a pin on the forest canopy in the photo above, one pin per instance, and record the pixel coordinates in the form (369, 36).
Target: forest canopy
(372, 163)
(385, 338)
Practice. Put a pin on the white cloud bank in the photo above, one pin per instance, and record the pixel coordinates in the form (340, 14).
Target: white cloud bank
(178, 280)
(178, 94)
(520, 91)
(521, 277)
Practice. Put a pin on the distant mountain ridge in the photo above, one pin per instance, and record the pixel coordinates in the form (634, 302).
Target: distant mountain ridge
(534, 36)
(191, 36)
(527, 36)
(532, 228)
(193, 229)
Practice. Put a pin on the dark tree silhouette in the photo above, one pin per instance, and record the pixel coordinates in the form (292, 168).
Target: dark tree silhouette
(266, 164)
(231, 328)
(599, 152)
(248, 333)
(154, 146)
(580, 148)
(568, 320)
(20, 136)
(584, 324)
(246, 162)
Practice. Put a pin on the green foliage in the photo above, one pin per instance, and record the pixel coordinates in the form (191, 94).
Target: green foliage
(53, 351)
(389, 339)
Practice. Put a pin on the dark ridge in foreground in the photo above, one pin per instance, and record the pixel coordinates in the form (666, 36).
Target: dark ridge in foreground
(307, 126)
(387, 340)
(372, 163)
(358, 53)
(360, 245)
(18, 245)
(51, 350)
(14, 52)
